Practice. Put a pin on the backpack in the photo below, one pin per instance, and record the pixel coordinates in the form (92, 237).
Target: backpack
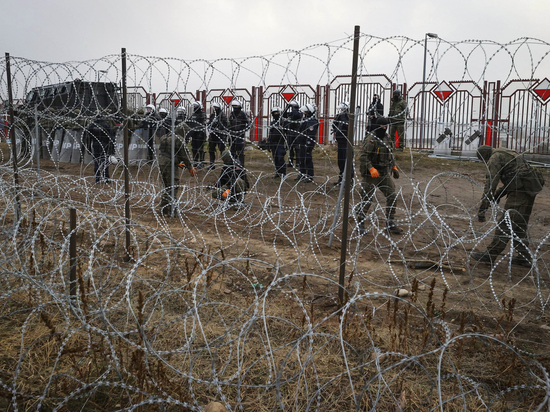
(531, 178)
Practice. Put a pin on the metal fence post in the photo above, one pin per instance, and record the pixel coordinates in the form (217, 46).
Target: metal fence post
(11, 131)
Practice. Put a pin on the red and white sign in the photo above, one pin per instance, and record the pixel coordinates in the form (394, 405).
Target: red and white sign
(443, 90)
(288, 93)
(542, 90)
(227, 96)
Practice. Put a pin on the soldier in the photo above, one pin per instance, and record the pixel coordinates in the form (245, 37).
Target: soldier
(397, 115)
(376, 110)
(340, 130)
(197, 134)
(307, 139)
(277, 142)
(102, 139)
(238, 125)
(149, 126)
(377, 166)
(520, 186)
(232, 183)
(293, 118)
(181, 159)
(217, 126)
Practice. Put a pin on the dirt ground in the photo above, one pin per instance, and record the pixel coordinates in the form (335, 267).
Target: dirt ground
(278, 243)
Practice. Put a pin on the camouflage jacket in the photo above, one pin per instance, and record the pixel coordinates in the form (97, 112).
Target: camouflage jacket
(502, 166)
(376, 153)
(180, 152)
(398, 111)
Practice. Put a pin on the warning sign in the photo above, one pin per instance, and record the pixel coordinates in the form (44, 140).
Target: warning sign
(443, 90)
(542, 90)
(227, 96)
(288, 93)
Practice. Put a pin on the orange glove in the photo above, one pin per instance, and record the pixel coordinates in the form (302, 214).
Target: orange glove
(193, 171)
(395, 172)
(226, 193)
(181, 166)
(374, 173)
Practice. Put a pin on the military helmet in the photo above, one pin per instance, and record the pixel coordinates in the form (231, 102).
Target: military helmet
(343, 106)
(484, 152)
(307, 108)
(226, 157)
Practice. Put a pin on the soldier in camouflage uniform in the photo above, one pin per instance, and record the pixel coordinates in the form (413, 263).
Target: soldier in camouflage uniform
(181, 159)
(377, 166)
(397, 116)
(233, 182)
(506, 165)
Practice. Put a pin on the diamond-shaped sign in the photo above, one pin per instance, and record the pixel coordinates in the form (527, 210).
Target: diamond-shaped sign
(443, 90)
(542, 90)
(227, 96)
(288, 93)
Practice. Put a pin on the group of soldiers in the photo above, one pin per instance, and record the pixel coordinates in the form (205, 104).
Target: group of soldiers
(294, 130)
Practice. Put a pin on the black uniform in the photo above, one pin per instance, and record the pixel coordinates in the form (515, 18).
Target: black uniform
(376, 110)
(340, 130)
(103, 146)
(149, 125)
(277, 144)
(293, 117)
(238, 125)
(307, 139)
(218, 126)
(197, 134)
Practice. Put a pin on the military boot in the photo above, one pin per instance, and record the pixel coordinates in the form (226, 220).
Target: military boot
(361, 228)
(393, 228)
(482, 257)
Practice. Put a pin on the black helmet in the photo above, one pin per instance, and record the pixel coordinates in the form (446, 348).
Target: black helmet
(397, 93)
(382, 121)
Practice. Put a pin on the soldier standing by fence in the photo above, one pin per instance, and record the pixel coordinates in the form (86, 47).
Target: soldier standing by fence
(181, 159)
(217, 126)
(238, 125)
(397, 116)
(340, 130)
(103, 147)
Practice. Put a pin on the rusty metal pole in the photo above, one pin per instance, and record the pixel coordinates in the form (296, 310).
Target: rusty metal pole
(11, 131)
(126, 162)
(72, 252)
(349, 167)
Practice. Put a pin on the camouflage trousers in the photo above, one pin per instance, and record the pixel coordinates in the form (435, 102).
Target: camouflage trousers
(513, 224)
(368, 188)
(166, 194)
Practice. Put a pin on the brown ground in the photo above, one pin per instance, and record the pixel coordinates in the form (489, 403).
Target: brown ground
(279, 240)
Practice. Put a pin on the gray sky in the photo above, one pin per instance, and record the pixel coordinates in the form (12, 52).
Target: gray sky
(64, 30)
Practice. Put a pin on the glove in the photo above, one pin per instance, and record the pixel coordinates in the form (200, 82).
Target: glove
(481, 215)
(374, 173)
(226, 193)
(395, 172)
(181, 166)
(193, 171)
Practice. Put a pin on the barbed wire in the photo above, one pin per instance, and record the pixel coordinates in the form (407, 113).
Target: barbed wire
(237, 303)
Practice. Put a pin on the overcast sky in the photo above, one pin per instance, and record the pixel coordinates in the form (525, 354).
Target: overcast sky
(65, 30)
